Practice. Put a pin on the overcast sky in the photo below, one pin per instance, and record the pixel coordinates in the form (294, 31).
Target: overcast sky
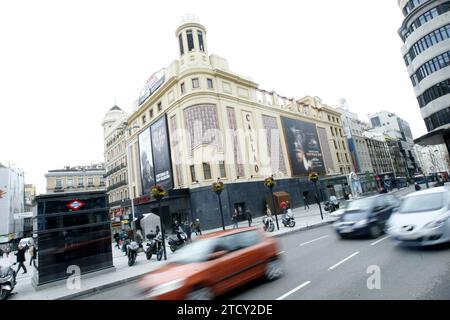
(63, 64)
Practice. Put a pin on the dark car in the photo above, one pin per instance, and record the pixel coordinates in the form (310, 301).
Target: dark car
(366, 217)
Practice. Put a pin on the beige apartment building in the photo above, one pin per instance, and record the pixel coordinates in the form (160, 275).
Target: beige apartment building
(74, 179)
(197, 120)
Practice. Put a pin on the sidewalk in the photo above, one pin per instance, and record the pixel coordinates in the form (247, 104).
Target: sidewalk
(24, 290)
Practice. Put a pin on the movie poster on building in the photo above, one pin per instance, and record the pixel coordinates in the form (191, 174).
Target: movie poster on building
(161, 153)
(146, 161)
(302, 142)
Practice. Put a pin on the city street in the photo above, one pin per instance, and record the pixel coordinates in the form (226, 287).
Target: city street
(319, 265)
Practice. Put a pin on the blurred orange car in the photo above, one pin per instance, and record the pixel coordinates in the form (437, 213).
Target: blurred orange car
(215, 264)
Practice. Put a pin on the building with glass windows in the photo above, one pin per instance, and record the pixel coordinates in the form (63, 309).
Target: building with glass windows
(426, 35)
(196, 121)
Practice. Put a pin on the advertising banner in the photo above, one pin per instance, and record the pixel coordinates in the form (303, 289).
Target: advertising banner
(303, 146)
(146, 161)
(153, 83)
(161, 153)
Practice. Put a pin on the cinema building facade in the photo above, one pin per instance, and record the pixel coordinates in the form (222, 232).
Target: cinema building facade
(196, 121)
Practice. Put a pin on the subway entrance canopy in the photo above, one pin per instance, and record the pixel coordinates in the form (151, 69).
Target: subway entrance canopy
(438, 136)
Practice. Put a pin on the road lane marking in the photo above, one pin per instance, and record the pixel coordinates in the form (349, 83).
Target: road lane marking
(293, 290)
(342, 261)
(302, 244)
(376, 242)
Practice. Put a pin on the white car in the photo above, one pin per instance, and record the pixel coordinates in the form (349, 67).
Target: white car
(423, 218)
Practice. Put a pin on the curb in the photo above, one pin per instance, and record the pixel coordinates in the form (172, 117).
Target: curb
(313, 226)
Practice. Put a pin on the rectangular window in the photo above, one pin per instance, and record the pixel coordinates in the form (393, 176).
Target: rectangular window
(206, 171)
(183, 89)
(192, 169)
(159, 106)
(339, 158)
(335, 145)
(90, 181)
(195, 83)
(223, 172)
(200, 40)
(80, 181)
(210, 83)
(69, 182)
(180, 39)
(151, 113)
(190, 40)
(144, 119)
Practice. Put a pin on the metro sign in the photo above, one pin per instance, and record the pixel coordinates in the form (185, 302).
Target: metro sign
(75, 205)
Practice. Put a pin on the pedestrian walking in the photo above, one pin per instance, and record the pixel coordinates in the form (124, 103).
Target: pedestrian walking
(21, 258)
(8, 250)
(235, 219)
(249, 217)
(305, 200)
(33, 255)
(196, 227)
(188, 230)
(117, 238)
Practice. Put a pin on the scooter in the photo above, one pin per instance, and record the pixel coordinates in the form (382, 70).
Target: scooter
(132, 250)
(288, 220)
(268, 224)
(7, 280)
(177, 241)
(331, 206)
(154, 246)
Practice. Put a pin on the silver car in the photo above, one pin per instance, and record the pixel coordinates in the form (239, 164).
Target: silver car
(423, 218)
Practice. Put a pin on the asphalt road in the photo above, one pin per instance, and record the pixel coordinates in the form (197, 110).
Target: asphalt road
(319, 265)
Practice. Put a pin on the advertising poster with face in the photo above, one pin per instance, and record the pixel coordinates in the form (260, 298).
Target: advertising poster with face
(302, 141)
(146, 161)
(161, 153)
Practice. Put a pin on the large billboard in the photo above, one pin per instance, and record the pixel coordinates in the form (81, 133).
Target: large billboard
(153, 83)
(146, 161)
(303, 146)
(161, 153)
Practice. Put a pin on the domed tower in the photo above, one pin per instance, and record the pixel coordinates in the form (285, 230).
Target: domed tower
(192, 46)
(111, 117)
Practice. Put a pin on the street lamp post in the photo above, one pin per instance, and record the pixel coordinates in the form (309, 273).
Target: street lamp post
(158, 193)
(314, 177)
(218, 187)
(270, 183)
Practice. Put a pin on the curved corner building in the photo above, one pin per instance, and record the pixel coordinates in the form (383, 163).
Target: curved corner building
(426, 35)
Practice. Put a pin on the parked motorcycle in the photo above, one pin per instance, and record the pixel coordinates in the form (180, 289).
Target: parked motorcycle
(132, 250)
(177, 241)
(7, 280)
(331, 206)
(268, 224)
(288, 220)
(154, 246)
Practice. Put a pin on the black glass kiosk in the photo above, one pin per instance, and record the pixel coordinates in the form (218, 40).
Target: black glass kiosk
(73, 229)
